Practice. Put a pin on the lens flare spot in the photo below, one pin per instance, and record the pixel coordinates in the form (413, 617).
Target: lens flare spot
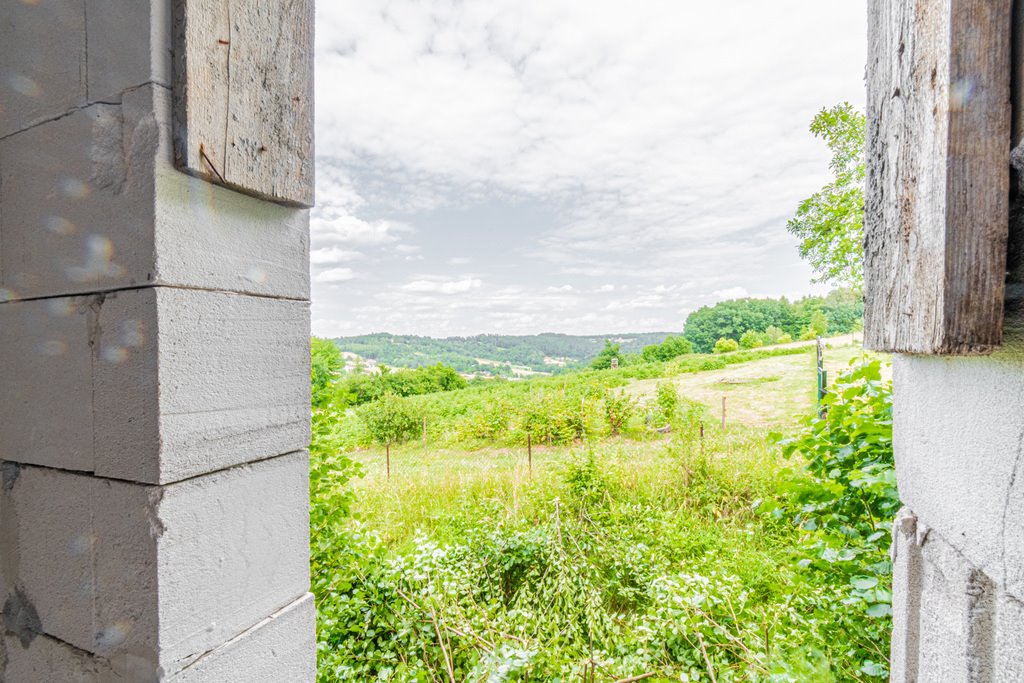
(53, 347)
(62, 307)
(960, 93)
(24, 85)
(7, 295)
(114, 635)
(256, 275)
(82, 544)
(71, 186)
(115, 354)
(131, 333)
(99, 254)
(59, 225)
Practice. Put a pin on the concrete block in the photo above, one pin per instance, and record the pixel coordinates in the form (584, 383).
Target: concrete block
(150, 578)
(280, 648)
(235, 543)
(233, 383)
(52, 551)
(46, 366)
(129, 45)
(957, 611)
(957, 437)
(77, 205)
(92, 202)
(154, 385)
(42, 74)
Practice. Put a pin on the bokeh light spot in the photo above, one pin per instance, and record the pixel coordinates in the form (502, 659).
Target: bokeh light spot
(71, 186)
(24, 85)
(53, 347)
(59, 225)
(131, 333)
(115, 354)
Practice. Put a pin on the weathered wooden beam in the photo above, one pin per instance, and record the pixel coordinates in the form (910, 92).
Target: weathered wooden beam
(938, 143)
(243, 95)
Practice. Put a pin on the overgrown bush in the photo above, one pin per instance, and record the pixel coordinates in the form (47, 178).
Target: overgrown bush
(618, 409)
(667, 399)
(725, 345)
(750, 340)
(850, 501)
(390, 419)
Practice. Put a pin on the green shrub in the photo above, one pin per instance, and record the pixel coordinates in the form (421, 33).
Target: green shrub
(784, 339)
(725, 345)
(667, 399)
(749, 340)
(772, 335)
(850, 502)
(390, 419)
(618, 409)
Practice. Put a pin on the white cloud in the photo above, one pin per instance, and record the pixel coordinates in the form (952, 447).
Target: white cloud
(670, 137)
(352, 231)
(335, 275)
(442, 287)
(730, 293)
(332, 255)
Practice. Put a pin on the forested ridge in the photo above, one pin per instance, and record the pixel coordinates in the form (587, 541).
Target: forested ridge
(839, 312)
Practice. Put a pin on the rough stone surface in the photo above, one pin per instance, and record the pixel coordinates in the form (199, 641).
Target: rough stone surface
(49, 660)
(75, 205)
(129, 45)
(46, 401)
(118, 569)
(42, 74)
(81, 213)
(153, 385)
(959, 437)
(281, 648)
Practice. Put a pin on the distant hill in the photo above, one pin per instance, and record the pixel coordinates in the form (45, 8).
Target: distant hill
(493, 353)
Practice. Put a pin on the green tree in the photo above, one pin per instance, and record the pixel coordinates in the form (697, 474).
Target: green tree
(730, 319)
(326, 363)
(604, 359)
(818, 324)
(390, 419)
(829, 224)
(672, 347)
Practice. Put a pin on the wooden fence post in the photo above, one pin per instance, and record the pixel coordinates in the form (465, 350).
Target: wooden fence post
(387, 452)
(723, 412)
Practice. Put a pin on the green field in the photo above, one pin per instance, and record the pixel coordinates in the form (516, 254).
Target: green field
(665, 556)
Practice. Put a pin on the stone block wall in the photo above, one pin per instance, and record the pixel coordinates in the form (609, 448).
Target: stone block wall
(154, 377)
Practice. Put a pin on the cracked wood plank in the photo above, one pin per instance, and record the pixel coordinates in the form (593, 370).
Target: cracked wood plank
(938, 142)
(243, 95)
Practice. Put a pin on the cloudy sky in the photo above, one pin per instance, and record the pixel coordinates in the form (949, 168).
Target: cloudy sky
(579, 166)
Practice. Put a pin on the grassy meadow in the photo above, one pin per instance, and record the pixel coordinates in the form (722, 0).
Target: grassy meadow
(623, 553)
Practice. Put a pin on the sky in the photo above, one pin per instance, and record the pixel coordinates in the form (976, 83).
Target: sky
(575, 166)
